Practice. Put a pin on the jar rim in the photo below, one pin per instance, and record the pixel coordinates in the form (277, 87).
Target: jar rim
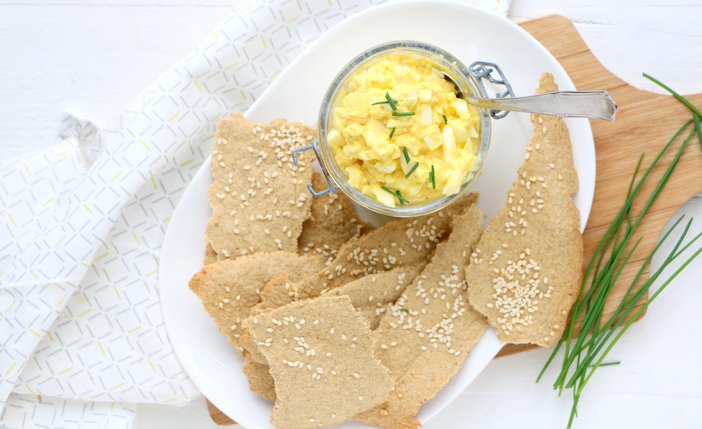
(461, 76)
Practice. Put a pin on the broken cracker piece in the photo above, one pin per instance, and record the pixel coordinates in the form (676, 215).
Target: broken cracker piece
(258, 197)
(228, 289)
(427, 334)
(372, 294)
(333, 221)
(321, 357)
(526, 269)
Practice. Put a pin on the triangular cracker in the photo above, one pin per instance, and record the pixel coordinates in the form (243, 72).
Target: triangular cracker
(228, 289)
(321, 357)
(426, 336)
(258, 197)
(526, 269)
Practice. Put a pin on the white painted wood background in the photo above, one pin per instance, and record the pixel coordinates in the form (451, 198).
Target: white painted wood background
(90, 57)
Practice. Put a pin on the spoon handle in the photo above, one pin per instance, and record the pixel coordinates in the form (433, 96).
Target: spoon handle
(576, 104)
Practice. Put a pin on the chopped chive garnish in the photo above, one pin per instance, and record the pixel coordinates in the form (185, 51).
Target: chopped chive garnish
(403, 309)
(390, 101)
(414, 167)
(432, 177)
(445, 119)
(405, 154)
(396, 113)
(399, 196)
(392, 132)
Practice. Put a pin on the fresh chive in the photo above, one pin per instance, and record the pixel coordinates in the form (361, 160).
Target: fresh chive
(414, 167)
(392, 132)
(405, 154)
(675, 94)
(379, 102)
(616, 362)
(403, 309)
(396, 113)
(445, 119)
(432, 177)
(601, 251)
(390, 101)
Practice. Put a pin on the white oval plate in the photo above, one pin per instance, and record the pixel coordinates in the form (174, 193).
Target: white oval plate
(468, 33)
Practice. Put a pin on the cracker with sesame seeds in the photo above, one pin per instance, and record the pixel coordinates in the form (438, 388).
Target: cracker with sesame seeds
(260, 380)
(372, 294)
(230, 288)
(322, 360)
(396, 243)
(258, 197)
(525, 272)
(427, 334)
(277, 292)
(333, 221)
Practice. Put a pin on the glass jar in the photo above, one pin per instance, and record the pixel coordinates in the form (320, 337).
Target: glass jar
(468, 81)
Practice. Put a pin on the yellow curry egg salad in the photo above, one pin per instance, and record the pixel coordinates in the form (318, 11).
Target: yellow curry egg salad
(401, 131)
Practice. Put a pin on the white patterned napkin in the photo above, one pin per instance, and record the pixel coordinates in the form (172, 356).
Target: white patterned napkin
(81, 226)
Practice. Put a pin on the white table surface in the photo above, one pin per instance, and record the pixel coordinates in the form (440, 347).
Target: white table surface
(90, 57)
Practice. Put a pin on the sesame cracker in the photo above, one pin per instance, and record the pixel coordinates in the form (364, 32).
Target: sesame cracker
(531, 286)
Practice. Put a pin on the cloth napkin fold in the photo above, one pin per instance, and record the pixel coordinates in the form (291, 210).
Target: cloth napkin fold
(81, 227)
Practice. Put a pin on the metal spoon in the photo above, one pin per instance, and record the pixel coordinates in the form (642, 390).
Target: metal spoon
(569, 104)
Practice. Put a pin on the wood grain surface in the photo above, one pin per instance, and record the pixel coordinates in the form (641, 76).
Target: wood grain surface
(645, 122)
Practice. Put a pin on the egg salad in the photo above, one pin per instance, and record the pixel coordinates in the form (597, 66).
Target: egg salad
(401, 132)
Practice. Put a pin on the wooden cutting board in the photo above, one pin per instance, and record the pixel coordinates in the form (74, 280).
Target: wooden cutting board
(645, 122)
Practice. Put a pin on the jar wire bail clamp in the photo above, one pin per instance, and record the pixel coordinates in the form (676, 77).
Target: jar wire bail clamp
(482, 70)
(314, 146)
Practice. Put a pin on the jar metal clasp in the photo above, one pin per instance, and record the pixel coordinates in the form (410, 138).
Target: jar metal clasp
(484, 71)
(314, 146)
